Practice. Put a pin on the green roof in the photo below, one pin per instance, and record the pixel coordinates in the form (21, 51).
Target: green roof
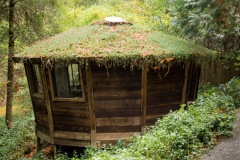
(119, 44)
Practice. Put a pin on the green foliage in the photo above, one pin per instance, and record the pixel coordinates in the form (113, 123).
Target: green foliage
(237, 63)
(3, 37)
(232, 88)
(3, 59)
(183, 134)
(22, 96)
(159, 16)
(74, 14)
(212, 23)
(207, 17)
(29, 26)
(15, 140)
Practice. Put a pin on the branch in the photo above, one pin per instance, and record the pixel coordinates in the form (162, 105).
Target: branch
(17, 1)
(3, 3)
(2, 63)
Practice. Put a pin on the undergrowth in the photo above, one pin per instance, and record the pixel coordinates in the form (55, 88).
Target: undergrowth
(15, 142)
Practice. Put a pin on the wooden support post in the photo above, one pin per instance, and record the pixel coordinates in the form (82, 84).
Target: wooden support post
(197, 69)
(144, 96)
(38, 144)
(189, 82)
(93, 138)
(184, 90)
(30, 85)
(48, 104)
(55, 150)
(91, 105)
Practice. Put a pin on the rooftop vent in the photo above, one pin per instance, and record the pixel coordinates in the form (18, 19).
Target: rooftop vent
(112, 21)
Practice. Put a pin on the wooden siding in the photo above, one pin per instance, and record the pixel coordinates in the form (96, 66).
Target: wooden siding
(119, 103)
(117, 100)
(71, 142)
(164, 93)
(41, 114)
(70, 116)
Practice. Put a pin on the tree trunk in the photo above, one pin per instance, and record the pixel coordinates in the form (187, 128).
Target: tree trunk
(9, 119)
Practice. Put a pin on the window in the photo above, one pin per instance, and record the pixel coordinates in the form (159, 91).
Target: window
(35, 79)
(67, 83)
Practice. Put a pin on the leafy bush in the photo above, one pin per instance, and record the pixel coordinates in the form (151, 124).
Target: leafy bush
(237, 63)
(232, 88)
(22, 96)
(15, 141)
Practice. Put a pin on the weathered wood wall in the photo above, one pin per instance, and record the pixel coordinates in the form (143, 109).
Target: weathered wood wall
(164, 93)
(41, 115)
(218, 72)
(117, 96)
(119, 103)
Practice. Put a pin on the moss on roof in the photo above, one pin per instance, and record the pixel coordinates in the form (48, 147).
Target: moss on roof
(121, 44)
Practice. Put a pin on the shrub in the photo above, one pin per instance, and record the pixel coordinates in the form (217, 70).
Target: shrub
(13, 142)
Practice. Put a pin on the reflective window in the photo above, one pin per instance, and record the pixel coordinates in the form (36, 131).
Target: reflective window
(67, 81)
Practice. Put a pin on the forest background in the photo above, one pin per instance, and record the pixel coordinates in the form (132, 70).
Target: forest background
(214, 24)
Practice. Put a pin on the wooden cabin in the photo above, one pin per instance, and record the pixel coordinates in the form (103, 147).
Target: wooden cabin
(96, 84)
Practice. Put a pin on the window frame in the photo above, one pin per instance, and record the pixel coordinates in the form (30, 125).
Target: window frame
(53, 86)
(34, 91)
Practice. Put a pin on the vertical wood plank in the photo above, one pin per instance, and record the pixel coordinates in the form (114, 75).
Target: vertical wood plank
(38, 144)
(144, 96)
(48, 104)
(184, 90)
(93, 138)
(55, 150)
(198, 70)
(91, 104)
(30, 84)
(30, 79)
(189, 82)
(195, 76)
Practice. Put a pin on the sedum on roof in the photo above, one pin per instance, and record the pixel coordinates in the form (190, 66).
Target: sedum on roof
(119, 44)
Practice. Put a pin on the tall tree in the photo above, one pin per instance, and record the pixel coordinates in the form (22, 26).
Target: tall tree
(9, 120)
(215, 23)
(25, 25)
(3, 49)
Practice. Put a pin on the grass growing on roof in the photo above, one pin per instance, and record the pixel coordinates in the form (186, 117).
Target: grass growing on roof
(117, 44)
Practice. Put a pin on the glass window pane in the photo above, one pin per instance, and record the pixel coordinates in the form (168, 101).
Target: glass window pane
(67, 81)
(74, 79)
(37, 79)
(61, 82)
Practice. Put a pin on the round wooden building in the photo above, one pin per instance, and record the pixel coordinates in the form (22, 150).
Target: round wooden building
(99, 83)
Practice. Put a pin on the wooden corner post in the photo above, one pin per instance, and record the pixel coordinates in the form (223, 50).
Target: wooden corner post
(48, 104)
(144, 96)
(91, 104)
(185, 83)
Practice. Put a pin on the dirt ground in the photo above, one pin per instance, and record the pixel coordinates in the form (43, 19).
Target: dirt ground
(229, 148)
